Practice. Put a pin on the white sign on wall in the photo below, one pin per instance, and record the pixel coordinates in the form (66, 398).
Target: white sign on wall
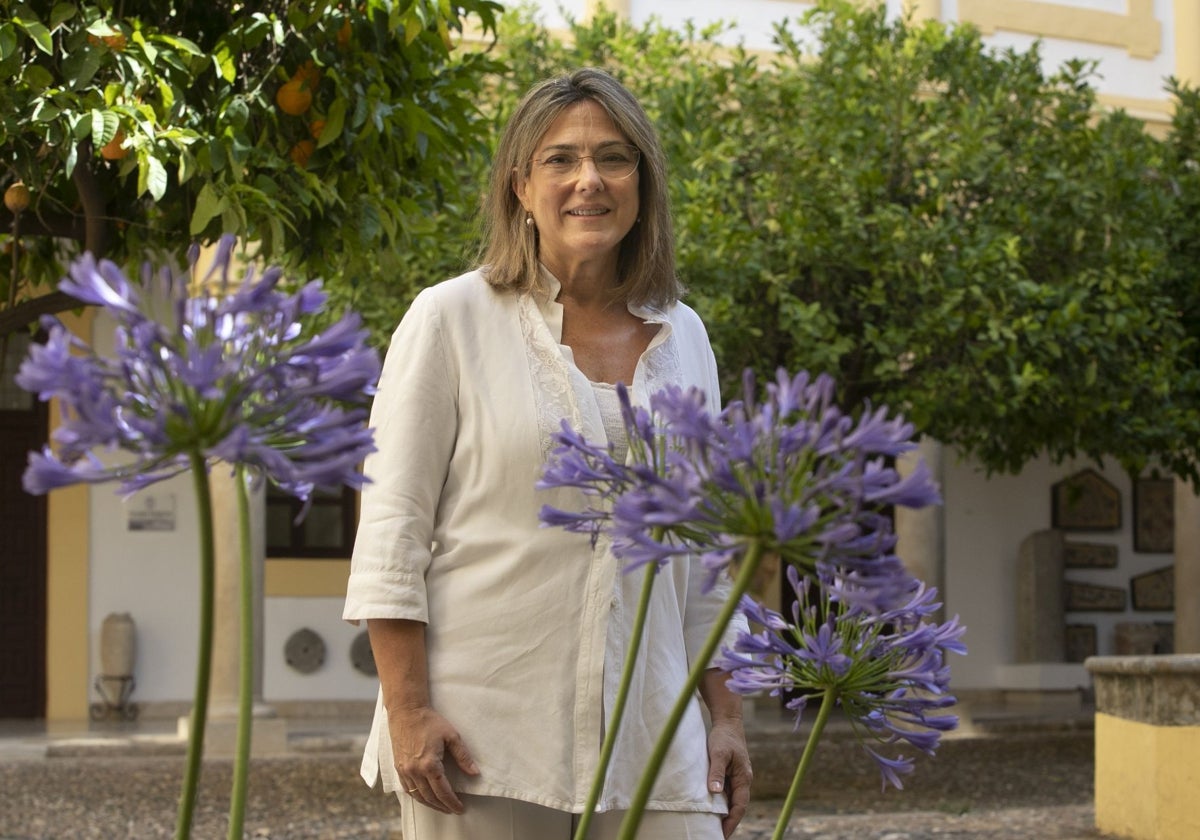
(152, 512)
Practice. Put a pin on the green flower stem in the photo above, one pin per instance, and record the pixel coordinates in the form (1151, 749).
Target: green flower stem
(241, 761)
(191, 777)
(810, 749)
(610, 737)
(745, 576)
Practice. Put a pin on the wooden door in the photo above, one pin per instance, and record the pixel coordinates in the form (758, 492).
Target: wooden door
(22, 551)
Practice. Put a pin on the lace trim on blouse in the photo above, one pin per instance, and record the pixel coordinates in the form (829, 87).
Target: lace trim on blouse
(610, 414)
(550, 371)
(551, 377)
(661, 359)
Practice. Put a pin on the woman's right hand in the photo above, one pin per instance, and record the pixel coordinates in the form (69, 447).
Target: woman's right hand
(420, 736)
(420, 740)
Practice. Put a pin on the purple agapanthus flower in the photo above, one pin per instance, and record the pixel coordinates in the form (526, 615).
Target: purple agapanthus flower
(791, 474)
(203, 366)
(885, 668)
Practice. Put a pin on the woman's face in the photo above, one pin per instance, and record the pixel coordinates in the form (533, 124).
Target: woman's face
(581, 215)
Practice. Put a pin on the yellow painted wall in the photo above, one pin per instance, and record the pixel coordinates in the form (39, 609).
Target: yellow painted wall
(618, 7)
(1147, 778)
(1187, 40)
(68, 642)
(305, 578)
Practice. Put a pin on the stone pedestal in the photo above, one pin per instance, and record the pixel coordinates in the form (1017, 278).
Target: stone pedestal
(1187, 568)
(1147, 740)
(920, 534)
(1041, 613)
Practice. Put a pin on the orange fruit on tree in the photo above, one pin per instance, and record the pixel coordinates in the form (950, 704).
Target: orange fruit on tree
(302, 151)
(115, 42)
(343, 34)
(16, 197)
(315, 128)
(113, 150)
(294, 97)
(308, 73)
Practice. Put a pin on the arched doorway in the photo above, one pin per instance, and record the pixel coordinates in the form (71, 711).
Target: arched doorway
(23, 426)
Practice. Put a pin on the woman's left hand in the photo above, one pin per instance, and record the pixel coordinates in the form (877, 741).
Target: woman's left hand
(729, 769)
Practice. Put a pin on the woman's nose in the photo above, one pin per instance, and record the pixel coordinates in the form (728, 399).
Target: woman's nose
(589, 175)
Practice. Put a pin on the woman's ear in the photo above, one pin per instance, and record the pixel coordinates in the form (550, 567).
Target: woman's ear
(518, 188)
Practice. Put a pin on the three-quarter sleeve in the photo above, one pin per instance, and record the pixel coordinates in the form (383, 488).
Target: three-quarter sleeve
(414, 416)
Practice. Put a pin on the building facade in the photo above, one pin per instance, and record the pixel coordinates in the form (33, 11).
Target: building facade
(103, 556)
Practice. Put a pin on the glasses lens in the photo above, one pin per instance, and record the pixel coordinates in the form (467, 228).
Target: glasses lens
(618, 161)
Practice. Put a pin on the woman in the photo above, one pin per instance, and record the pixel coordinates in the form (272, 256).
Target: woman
(500, 643)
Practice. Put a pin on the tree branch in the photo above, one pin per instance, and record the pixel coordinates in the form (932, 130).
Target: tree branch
(58, 225)
(91, 197)
(28, 311)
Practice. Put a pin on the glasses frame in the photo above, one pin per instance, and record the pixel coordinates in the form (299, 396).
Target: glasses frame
(540, 165)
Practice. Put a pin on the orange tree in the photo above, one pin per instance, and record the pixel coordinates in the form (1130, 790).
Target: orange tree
(333, 134)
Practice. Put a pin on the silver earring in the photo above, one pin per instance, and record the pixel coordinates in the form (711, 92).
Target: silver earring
(528, 220)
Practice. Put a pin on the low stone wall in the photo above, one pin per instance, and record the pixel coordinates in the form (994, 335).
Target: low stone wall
(1147, 740)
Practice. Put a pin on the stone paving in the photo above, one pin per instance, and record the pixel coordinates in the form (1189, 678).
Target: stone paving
(1011, 779)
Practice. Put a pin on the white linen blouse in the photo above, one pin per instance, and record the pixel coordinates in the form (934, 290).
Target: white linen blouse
(527, 626)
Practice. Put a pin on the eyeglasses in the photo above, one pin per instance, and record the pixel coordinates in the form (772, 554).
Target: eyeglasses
(616, 161)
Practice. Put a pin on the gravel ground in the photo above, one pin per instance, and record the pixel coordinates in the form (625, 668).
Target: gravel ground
(1034, 786)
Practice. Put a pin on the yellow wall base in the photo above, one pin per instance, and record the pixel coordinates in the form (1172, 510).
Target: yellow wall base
(1147, 778)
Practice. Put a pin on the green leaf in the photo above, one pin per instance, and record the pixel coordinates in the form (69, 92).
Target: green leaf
(187, 166)
(36, 77)
(61, 13)
(166, 93)
(208, 206)
(45, 111)
(8, 41)
(79, 68)
(148, 48)
(153, 175)
(104, 128)
(71, 160)
(412, 28)
(179, 44)
(223, 61)
(335, 120)
(237, 113)
(34, 28)
(81, 125)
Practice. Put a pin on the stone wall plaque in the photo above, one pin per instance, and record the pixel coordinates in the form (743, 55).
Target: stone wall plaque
(1081, 642)
(1086, 502)
(1135, 638)
(1165, 642)
(1084, 555)
(1154, 590)
(1154, 515)
(1088, 597)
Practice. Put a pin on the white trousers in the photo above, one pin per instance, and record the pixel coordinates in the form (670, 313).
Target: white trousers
(497, 818)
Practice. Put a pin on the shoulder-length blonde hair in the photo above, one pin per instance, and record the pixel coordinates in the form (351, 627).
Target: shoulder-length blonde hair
(509, 250)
